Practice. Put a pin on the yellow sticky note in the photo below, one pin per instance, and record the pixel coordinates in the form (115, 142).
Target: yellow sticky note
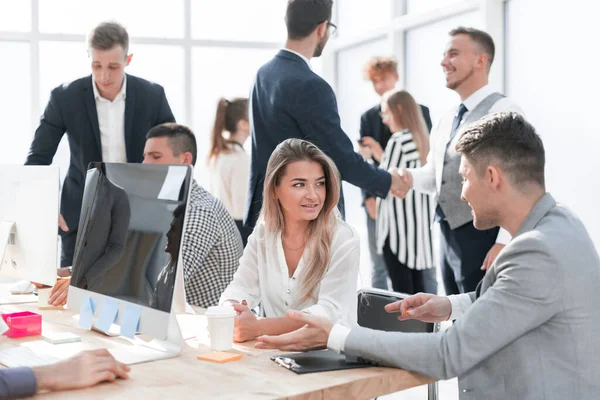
(220, 357)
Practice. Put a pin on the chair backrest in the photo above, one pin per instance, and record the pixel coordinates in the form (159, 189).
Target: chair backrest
(371, 313)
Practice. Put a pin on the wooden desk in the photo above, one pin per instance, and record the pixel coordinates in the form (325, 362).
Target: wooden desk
(255, 376)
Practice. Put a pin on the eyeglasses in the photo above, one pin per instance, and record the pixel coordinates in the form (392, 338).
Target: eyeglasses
(332, 26)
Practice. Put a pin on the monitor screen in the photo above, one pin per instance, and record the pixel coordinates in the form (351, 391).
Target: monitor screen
(129, 234)
(28, 228)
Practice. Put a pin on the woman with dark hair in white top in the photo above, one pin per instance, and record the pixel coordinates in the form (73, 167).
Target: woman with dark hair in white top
(228, 162)
(403, 225)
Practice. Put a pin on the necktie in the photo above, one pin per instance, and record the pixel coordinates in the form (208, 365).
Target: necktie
(461, 111)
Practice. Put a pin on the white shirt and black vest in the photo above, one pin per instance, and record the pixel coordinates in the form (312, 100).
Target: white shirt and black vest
(406, 222)
(431, 178)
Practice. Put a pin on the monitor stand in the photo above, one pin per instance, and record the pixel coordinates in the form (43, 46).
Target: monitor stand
(143, 348)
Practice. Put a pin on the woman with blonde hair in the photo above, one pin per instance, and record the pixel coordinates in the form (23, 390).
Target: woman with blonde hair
(228, 162)
(301, 255)
(403, 225)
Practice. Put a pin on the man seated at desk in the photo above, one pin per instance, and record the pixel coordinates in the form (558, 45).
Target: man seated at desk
(532, 328)
(212, 245)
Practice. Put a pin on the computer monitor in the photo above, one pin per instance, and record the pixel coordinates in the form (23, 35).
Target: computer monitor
(128, 240)
(29, 208)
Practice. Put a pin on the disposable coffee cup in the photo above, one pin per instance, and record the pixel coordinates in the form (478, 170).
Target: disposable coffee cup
(220, 327)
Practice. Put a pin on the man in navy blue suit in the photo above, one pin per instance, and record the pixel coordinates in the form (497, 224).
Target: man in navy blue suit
(106, 117)
(289, 100)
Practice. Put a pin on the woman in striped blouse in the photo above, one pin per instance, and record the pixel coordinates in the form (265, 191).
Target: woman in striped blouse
(403, 225)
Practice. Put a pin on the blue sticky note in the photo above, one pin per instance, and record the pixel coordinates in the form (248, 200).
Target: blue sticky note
(86, 312)
(108, 314)
(130, 320)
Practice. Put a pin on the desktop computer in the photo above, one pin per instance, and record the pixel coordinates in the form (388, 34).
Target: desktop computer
(128, 256)
(29, 208)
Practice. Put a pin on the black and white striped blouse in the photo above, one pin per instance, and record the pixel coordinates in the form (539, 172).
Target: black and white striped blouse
(405, 221)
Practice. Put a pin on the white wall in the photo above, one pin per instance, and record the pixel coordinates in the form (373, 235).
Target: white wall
(552, 72)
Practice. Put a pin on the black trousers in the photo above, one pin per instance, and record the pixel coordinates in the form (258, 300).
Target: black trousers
(463, 251)
(404, 279)
(67, 247)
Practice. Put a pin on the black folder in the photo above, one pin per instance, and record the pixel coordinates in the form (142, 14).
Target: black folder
(317, 361)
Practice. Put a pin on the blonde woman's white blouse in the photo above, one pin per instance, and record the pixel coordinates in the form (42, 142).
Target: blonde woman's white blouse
(263, 277)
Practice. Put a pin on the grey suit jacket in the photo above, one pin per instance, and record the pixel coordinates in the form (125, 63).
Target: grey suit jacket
(533, 332)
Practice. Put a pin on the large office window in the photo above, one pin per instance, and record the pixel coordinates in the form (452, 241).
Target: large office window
(419, 6)
(239, 20)
(145, 18)
(15, 16)
(14, 103)
(163, 64)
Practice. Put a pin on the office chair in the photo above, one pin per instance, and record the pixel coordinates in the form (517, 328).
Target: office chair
(371, 314)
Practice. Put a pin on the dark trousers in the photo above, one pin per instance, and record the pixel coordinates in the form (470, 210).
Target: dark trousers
(244, 231)
(67, 247)
(404, 279)
(463, 251)
(379, 274)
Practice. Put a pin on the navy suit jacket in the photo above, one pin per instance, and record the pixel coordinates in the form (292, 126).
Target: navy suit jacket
(372, 125)
(288, 100)
(72, 109)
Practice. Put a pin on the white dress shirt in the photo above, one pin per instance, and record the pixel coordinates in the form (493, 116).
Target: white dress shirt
(263, 277)
(111, 121)
(428, 178)
(339, 333)
(306, 60)
(229, 180)
(460, 304)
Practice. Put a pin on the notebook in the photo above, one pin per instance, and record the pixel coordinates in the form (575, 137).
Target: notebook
(317, 361)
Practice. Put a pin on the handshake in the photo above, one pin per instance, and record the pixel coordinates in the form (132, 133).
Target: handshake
(401, 182)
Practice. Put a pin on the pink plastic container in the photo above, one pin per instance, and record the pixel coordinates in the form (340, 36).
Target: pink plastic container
(22, 324)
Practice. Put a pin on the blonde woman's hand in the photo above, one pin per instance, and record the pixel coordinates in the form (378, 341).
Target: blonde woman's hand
(245, 327)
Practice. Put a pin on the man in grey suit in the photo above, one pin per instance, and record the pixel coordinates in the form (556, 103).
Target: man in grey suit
(531, 330)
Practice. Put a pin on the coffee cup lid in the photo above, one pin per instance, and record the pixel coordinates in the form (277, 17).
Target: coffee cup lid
(220, 311)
